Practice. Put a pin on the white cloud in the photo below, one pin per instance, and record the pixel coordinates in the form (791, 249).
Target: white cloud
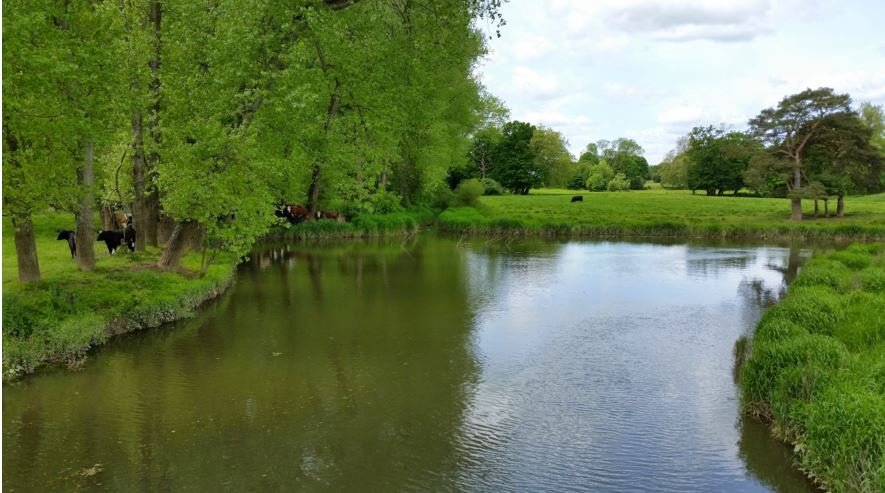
(534, 83)
(652, 69)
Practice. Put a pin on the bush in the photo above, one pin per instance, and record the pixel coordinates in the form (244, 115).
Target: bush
(619, 183)
(599, 176)
(468, 192)
(492, 187)
(384, 202)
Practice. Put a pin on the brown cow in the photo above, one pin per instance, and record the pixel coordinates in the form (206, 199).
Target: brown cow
(122, 219)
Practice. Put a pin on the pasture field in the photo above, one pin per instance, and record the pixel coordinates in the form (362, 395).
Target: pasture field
(815, 369)
(59, 318)
(661, 212)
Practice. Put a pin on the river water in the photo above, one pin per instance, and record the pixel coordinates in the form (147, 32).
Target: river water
(429, 365)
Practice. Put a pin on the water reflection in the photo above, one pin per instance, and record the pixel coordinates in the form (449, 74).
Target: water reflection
(429, 365)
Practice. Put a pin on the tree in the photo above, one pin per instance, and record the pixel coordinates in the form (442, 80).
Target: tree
(788, 130)
(842, 159)
(717, 159)
(551, 154)
(599, 177)
(625, 156)
(515, 167)
(590, 156)
(481, 151)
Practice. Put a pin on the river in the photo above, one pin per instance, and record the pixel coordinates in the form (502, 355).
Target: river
(432, 365)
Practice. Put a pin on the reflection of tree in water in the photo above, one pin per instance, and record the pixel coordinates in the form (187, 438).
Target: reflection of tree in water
(365, 389)
(794, 262)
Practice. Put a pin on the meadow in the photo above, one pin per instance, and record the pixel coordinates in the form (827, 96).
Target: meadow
(661, 212)
(815, 369)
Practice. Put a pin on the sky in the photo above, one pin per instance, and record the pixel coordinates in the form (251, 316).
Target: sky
(651, 70)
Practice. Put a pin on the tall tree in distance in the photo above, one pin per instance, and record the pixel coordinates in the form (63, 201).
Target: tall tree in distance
(516, 167)
(788, 130)
(551, 154)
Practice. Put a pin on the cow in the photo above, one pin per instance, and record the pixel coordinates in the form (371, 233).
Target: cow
(129, 236)
(293, 213)
(112, 239)
(577, 198)
(71, 237)
(330, 215)
(122, 219)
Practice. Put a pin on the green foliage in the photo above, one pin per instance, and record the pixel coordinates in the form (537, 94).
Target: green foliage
(515, 165)
(552, 156)
(619, 183)
(717, 159)
(468, 192)
(491, 187)
(817, 369)
(599, 176)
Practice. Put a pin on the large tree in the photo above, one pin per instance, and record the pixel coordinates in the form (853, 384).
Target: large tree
(717, 159)
(551, 154)
(789, 129)
(515, 166)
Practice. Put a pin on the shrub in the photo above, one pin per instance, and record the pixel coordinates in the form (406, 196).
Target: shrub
(384, 202)
(468, 192)
(492, 187)
(619, 183)
(599, 176)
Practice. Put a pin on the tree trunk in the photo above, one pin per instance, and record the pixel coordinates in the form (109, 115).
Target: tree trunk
(816, 209)
(179, 244)
(840, 205)
(796, 214)
(85, 225)
(796, 202)
(26, 248)
(152, 234)
(313, 193)
(107, 217)
(140, 216)
(826, 208)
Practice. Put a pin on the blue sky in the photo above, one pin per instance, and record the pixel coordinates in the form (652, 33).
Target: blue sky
(652, 69)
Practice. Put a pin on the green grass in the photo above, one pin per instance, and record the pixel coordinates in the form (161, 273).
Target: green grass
(816, 369)
(660, 212)
(59, 318)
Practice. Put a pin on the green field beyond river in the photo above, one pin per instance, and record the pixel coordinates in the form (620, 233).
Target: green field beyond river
(433, 365)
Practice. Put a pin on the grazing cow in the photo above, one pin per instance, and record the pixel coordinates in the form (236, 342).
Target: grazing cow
(330, 215)
(577, 198)
(113, 240)
(129, 237)
(72, 240)
(294, 213)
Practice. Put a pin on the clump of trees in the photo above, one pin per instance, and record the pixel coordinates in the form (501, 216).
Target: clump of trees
(812, 145)
(605, 161)
(215, 112)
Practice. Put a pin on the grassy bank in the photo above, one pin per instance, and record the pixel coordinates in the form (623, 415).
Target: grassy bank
(816, 369)
(364, 226)
(59, 318)
(661, 213)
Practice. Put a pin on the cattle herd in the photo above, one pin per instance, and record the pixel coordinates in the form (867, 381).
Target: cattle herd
(114, 239)
(296, 214)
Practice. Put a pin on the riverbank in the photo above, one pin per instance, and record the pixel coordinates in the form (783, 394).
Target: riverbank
(57, 320)
(816, 369)
(661, 213)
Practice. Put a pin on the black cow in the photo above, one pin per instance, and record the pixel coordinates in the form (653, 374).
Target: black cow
(72, 240)
(113, 239)
(577, 198)
(129, 236)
